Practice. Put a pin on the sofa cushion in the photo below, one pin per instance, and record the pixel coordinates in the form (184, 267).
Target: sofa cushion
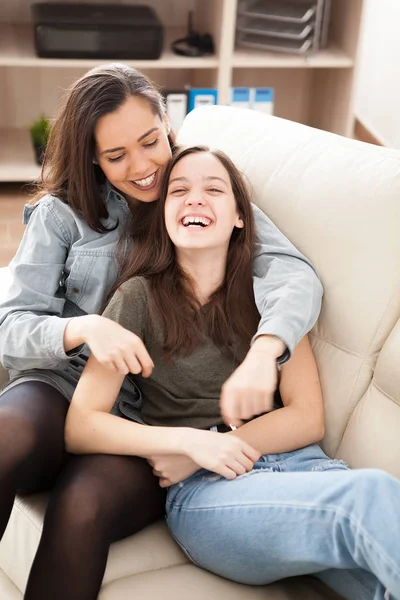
(378, 411)
(187, 581)
(148, 565)
(150, 549)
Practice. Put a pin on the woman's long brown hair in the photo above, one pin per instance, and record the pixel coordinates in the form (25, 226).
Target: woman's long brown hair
(230, 318)
(68, 171)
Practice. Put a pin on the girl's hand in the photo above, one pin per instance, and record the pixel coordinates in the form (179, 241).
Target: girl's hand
(172, 468)
(114, 347)
(225, 455)
(249, 391)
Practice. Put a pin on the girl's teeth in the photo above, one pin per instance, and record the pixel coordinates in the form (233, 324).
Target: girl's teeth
(189, 220)
(145, 182)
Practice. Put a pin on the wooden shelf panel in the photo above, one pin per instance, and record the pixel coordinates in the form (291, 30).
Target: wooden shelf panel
(330, 58)
(17, 49)
(17, 158)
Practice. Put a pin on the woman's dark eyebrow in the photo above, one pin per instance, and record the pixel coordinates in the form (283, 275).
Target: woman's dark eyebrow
(110, 150)
(147, 133)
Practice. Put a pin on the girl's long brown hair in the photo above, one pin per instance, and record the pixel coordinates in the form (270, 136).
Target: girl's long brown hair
(230, 318)
(68, 171)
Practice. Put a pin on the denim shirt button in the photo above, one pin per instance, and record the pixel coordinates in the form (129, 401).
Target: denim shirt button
(75, 290)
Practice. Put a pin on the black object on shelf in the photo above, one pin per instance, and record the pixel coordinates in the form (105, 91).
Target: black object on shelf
(194, 44)
(97, 31)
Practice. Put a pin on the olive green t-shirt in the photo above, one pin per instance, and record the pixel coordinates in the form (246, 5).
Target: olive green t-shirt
(184, 392)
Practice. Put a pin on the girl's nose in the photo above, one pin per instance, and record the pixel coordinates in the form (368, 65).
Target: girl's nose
(194, 198)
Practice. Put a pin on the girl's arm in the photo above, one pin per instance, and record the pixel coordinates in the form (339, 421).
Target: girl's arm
(91, 429)
(301, 421)
(298, 424)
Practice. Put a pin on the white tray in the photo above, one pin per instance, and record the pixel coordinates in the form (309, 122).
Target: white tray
(263, 42)
(274, 29)
(278, 10)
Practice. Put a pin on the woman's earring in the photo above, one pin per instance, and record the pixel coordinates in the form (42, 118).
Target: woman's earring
(95, 162)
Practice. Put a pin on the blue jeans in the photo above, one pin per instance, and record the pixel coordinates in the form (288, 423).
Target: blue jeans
(295, 513)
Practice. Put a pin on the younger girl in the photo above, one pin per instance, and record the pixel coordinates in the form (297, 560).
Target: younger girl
(262, 502)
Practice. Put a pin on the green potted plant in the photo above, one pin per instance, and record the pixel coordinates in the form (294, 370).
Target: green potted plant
(40, 130)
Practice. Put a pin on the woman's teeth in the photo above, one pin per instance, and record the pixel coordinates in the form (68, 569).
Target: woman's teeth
(145, 182)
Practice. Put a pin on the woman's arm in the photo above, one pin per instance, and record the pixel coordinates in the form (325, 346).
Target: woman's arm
(301, 421)
(288, 295)
(287, 290)
(33, 333)
(31, 330)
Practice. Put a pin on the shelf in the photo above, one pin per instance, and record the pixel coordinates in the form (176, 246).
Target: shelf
(17, 158)
(330, 58)
(17, 50)
(323, 82)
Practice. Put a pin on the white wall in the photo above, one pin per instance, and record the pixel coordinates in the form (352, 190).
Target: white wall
(377, 101)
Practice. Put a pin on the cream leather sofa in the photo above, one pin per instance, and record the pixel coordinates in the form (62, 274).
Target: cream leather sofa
(339, 201)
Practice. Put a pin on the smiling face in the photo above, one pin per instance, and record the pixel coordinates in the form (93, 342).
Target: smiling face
(200, 207)
(132, 148)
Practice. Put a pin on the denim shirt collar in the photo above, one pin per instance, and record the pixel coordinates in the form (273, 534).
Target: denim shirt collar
(113, 195)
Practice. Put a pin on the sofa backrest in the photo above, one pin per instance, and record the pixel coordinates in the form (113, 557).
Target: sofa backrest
(338, 201)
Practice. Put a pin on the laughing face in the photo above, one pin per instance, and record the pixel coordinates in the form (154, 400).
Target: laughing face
(132, 149)
(200, 208)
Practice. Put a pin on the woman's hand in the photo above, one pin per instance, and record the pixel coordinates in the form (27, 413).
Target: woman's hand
(225, 455)
(113, 346)
(172, 468)
(249, 391)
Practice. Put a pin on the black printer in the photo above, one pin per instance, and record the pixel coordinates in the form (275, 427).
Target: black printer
(109, 31)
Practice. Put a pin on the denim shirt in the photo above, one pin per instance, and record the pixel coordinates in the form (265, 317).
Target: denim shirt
(63, 268)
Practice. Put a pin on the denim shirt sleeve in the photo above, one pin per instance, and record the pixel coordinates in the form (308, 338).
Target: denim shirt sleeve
(287, 289)
(31, 327)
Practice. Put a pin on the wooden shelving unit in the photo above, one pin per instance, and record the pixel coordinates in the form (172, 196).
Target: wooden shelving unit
(329, 58)
(17, 50)
(17, 159)
(317, 90)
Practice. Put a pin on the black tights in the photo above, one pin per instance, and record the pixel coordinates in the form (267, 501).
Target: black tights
(97, 499)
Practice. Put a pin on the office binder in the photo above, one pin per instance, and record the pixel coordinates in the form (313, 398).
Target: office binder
(202, 97)
(177, 108)
(263, 100)
(240, 97)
